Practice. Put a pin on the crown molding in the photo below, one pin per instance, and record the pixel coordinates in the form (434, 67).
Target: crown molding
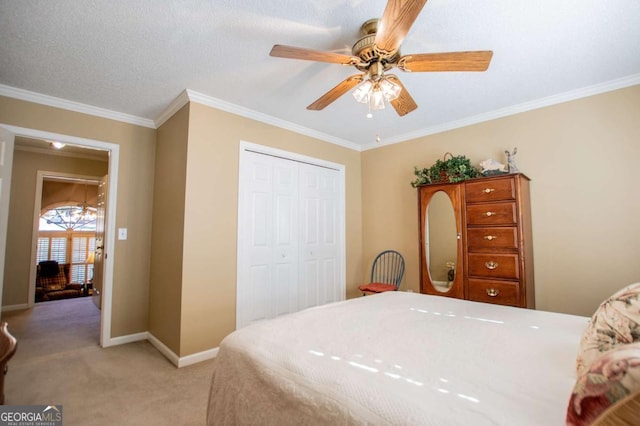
(267, 119)
(181, 100)
(584, 92)
(39, 98)
(188, 95)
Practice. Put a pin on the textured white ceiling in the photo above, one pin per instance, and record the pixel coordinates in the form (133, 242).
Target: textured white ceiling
(137, 56)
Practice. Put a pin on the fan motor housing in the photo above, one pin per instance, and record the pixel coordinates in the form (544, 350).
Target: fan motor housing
(366, 50)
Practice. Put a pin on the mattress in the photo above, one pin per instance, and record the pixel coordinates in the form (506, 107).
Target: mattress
(399, 358)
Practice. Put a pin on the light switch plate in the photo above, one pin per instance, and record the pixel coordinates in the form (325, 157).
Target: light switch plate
(122, 233)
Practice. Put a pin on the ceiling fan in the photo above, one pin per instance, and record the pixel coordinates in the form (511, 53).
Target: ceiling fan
(379, 51)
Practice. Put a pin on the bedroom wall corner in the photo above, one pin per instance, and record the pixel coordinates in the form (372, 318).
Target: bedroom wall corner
(582, 159)
(211, 212)
(165, 286)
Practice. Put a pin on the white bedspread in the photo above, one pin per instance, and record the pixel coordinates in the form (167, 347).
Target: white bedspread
(399, 358)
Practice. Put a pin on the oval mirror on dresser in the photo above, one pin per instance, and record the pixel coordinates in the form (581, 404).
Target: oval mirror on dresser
(440, 240)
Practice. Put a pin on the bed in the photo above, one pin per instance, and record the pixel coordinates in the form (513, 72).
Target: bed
(399, 358)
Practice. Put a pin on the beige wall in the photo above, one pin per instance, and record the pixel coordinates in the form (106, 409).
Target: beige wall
(582, 157)
(134, 203)
(165, 291)
(21, 205)
(210, 237)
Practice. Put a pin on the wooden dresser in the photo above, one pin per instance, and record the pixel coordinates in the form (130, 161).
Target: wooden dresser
(491, 259)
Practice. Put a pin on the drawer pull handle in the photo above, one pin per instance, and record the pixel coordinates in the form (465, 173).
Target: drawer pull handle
(488, 190)
(492, 292)
(489, 214)
(491, 265)
(490, 237)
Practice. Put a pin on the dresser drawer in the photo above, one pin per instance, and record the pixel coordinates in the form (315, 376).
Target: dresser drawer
(491, 291)
(490, 190)
(494, 265)
(492, 214)
(492, 238)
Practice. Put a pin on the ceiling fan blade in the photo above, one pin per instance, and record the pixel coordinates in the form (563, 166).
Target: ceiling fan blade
(343, 87)
(398, 17)
(451, 61)
(404, 103)
(292, 52)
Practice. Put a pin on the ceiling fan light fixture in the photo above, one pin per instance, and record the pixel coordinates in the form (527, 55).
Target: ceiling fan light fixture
(375, 93)
(376, 98)
(390, 89)
(361, 93)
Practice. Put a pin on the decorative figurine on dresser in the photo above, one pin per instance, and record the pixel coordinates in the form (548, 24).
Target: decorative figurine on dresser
(479, 226)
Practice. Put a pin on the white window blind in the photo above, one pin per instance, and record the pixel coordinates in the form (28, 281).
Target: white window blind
(81, 246)
(71, 245)
(52, 248)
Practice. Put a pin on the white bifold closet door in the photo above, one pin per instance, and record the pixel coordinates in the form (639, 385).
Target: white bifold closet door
(289, 251)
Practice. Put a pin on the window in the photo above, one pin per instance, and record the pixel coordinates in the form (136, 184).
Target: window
(67, 234)
(80, 218)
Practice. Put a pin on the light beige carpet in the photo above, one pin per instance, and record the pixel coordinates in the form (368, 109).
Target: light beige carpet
(58, 361)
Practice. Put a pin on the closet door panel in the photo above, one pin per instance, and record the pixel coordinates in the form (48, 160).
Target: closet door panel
(309, 279)
(260, 257)
(329, 293)
(256, 260)
(284, 297)
(329, 249)
(257, 296)
(318, 245)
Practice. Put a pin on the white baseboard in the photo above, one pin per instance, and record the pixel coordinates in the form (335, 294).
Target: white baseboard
(185, 360)
(130, 338)
(15, 307)
(197, 357)
(145, 335)
(163, 349)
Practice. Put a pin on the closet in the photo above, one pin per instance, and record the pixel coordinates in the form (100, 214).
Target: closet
(475, 240)
(290, 236)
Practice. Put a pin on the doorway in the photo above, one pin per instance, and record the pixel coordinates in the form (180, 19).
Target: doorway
(112, 151)
(65, 230)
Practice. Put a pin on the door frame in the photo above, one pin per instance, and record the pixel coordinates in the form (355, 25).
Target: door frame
(274, 152)
(6, 166)
(37, 208)
(110, 229)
